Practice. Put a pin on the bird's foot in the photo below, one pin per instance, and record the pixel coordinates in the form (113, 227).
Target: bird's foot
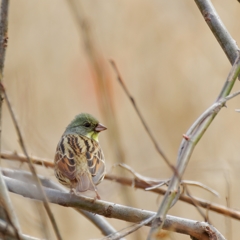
(97, 197)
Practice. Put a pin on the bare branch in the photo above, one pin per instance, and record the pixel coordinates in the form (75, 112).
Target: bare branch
(199, 230)
(25, 176)
(21, 158)
(3, 34)
(159, 150)
(97, 220)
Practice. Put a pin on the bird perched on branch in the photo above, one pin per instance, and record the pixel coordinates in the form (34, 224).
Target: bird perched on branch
(79, 160)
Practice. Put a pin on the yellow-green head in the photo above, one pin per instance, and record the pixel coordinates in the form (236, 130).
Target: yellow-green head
(86, 125)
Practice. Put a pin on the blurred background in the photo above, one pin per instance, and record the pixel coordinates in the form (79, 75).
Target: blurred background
(171, 64)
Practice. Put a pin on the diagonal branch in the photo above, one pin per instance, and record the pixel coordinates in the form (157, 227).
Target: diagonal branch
(217, 27)
(159, 150)
(31, 166)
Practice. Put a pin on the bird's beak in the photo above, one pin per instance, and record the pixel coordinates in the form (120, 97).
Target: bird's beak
(100, 128)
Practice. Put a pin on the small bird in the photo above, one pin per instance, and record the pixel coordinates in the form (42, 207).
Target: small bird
(79, 160)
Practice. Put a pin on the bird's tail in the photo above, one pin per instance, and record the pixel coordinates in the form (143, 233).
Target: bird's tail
(85, 183)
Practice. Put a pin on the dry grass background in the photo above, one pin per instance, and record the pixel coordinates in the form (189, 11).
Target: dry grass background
(172, 65)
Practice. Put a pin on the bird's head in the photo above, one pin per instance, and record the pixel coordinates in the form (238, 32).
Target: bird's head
(86, 125)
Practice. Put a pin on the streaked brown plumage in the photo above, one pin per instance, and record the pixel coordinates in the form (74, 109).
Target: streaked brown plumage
(79, 160)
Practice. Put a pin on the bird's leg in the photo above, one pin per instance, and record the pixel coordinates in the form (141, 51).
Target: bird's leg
(97, 195)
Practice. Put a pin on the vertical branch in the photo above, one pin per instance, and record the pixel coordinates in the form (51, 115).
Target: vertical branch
(3, 34)
(6, 209)
(158, 148)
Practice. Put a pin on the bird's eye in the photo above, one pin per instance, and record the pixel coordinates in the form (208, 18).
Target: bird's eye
(87, 124)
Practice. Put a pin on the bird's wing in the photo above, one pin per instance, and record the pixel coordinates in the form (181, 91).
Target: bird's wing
(96, 163)
(65, 158)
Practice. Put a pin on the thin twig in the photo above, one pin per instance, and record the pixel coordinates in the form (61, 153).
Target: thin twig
(31, 166)
(21, 158)
(159, 150)
(214, 108)
(199, 230)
